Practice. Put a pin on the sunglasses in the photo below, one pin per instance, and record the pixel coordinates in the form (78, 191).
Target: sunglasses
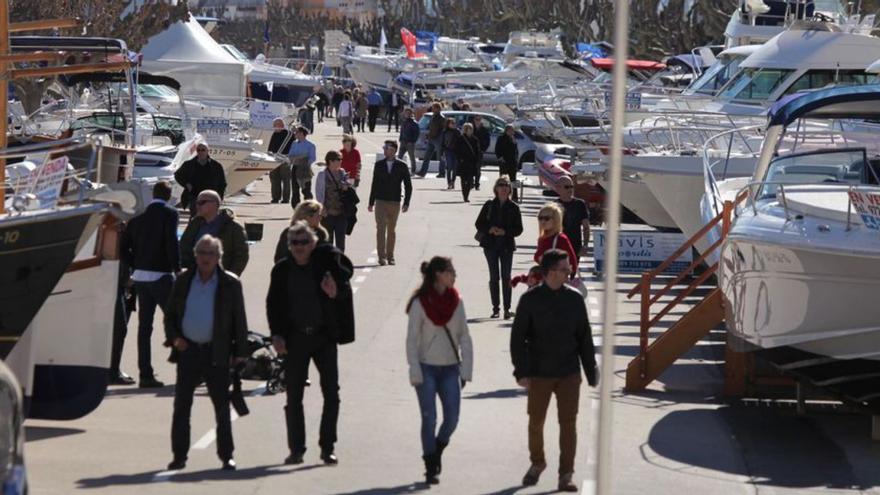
(300, 242)
(544, 218)
(207, 253)
(204, 201)
(201, 149)
(568, 187)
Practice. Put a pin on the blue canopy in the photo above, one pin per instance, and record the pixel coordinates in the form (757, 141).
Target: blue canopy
(587, 50)
(860, 102)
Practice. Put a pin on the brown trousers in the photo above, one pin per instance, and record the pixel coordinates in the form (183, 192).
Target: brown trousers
(567, 392)
(386, 223)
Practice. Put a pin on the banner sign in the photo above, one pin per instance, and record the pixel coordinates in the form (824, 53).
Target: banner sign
(642, 250)
(47, 180)
(213, 129)
(263, 113)
(868, 206)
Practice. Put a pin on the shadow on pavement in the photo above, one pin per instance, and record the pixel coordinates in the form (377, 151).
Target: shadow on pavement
(37, 433)
(391, 490)
(504, 393)
(118, 391)
(516, 489)
(190, 476)
(773, 447)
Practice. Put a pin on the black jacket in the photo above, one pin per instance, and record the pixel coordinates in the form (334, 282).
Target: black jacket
(386, 187)
(450, 138)
(236, 252)
(551, 335)
(506, 149)
(149, 241)
(507, 217)
(338, 312)
(467, 155)
(483, 136)
(201, 177)
(409, 131)
(278, 139)
(230, 320)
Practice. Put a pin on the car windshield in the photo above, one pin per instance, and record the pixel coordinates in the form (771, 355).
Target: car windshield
(843, 166)
(754, 85)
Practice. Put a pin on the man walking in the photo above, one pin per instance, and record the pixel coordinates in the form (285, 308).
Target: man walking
(302, 155)
(435, 141)
(149, 246)
(576, 216)
(219, 223)
(310, 311)
(207, 327)
(374, 100)
(388, 175)
(394, 104)
(409, 134)
(484, 137)
(199, 174)
(279, 177)
(551, 340)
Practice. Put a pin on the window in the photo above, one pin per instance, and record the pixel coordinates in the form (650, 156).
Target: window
(716, 76)
(842, 166)
(755, 84)
(820, 78)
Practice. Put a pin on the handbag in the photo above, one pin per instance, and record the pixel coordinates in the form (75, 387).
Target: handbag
(480, 235)
(454, 349)
(348, 197)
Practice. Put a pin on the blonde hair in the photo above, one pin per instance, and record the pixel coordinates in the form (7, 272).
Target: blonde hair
(555, 212)
(349, 137)
(501, 181)
(306, 209)
(466, 127)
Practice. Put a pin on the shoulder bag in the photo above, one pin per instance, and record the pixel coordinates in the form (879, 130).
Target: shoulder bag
(348, 197)
(455, 350)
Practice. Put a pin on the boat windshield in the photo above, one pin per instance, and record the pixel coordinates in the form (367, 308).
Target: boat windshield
(717, 75)
(155, 91)
(840, 166)
(754, 84)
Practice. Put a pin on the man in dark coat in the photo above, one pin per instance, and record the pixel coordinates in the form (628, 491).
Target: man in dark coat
(207, 327)
(310, 312)
(279, 177)
(149, 246)
(198, 174)
(484, 137)
(220, 223)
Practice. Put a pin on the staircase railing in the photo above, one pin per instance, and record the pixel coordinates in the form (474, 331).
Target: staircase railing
(643, 288)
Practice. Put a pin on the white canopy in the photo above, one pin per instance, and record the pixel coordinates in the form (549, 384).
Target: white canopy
(186, 52)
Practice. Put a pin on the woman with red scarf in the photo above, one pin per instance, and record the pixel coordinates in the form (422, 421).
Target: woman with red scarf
(440, 356)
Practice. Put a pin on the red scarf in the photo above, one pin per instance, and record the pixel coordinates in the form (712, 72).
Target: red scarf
(440, 307)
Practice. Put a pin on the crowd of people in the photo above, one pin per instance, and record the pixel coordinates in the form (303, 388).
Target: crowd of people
(310, 306)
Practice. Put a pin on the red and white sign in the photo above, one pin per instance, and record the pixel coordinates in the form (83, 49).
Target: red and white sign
(47, 180)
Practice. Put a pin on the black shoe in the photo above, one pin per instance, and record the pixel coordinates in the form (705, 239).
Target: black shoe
(329, 457)
(150, 382)
(274, 200)
(121, 379)
(495, 313)
(431, 469)
(177, 464)
(294, 458)
(441, 176)
(476, 188)
(391, 261)
(228, 465)
(441, 446)
(508, 314)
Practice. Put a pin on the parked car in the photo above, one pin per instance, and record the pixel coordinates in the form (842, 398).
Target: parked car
(13, 479)
(530, 149)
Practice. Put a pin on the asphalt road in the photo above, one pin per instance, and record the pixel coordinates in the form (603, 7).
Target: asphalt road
(678, 437)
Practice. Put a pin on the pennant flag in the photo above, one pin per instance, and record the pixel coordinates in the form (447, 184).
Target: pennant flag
(383, 40)
(409, 42)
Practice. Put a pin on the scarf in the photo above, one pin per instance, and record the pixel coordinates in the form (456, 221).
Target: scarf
(440, 307)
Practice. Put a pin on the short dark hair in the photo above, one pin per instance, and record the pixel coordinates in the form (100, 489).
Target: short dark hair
(162, 190)
(332, 155)
(392, 143)
(551, 258)
(303, 130)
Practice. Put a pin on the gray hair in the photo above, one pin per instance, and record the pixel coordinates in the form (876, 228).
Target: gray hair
(209, 241)
(299, 228)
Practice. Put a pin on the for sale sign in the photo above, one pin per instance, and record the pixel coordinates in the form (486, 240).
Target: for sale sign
(47, 180)
(868, 206)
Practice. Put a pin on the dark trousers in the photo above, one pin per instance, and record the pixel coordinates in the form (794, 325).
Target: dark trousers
(337, 228)
(121, 314)
(279, 178)
(467, 183)
(296, 189)
(434, 145)
(193, 366)
(478, 172)
(359, 123)
(372, 116)
(150, 295)
(393, 114)
(500, 262)
(302, 349)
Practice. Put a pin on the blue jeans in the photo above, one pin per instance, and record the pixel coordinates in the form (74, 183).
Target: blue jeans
(434, 146)
(451, 162)
(440, 381)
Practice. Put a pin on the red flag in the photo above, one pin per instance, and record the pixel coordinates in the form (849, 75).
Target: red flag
(409, 41)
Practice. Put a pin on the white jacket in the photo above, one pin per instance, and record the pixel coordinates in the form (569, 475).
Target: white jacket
(427, 343)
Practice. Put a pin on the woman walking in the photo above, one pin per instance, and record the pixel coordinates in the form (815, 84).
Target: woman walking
(361, 106)
(312, 212)
(508, 152)
(551, 236)
(329, 187)
(436, 334)
(467, 159)
(345, 112)
(351, 158)
(450, 138)
(498, 223)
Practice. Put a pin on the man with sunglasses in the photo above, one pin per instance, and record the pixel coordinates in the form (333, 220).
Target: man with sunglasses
(388, 175)
(576, 216)
(199, 174)
(310, 312)
(551, 341)
(218, 222)
(206, 326)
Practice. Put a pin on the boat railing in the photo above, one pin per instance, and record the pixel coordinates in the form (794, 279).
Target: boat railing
(711, 161)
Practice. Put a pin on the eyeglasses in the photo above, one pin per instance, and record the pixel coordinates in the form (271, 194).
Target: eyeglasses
(204, 201)
(202, 252)
(300, 242)
(545, 218)
(568, 187)
(201, 149)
